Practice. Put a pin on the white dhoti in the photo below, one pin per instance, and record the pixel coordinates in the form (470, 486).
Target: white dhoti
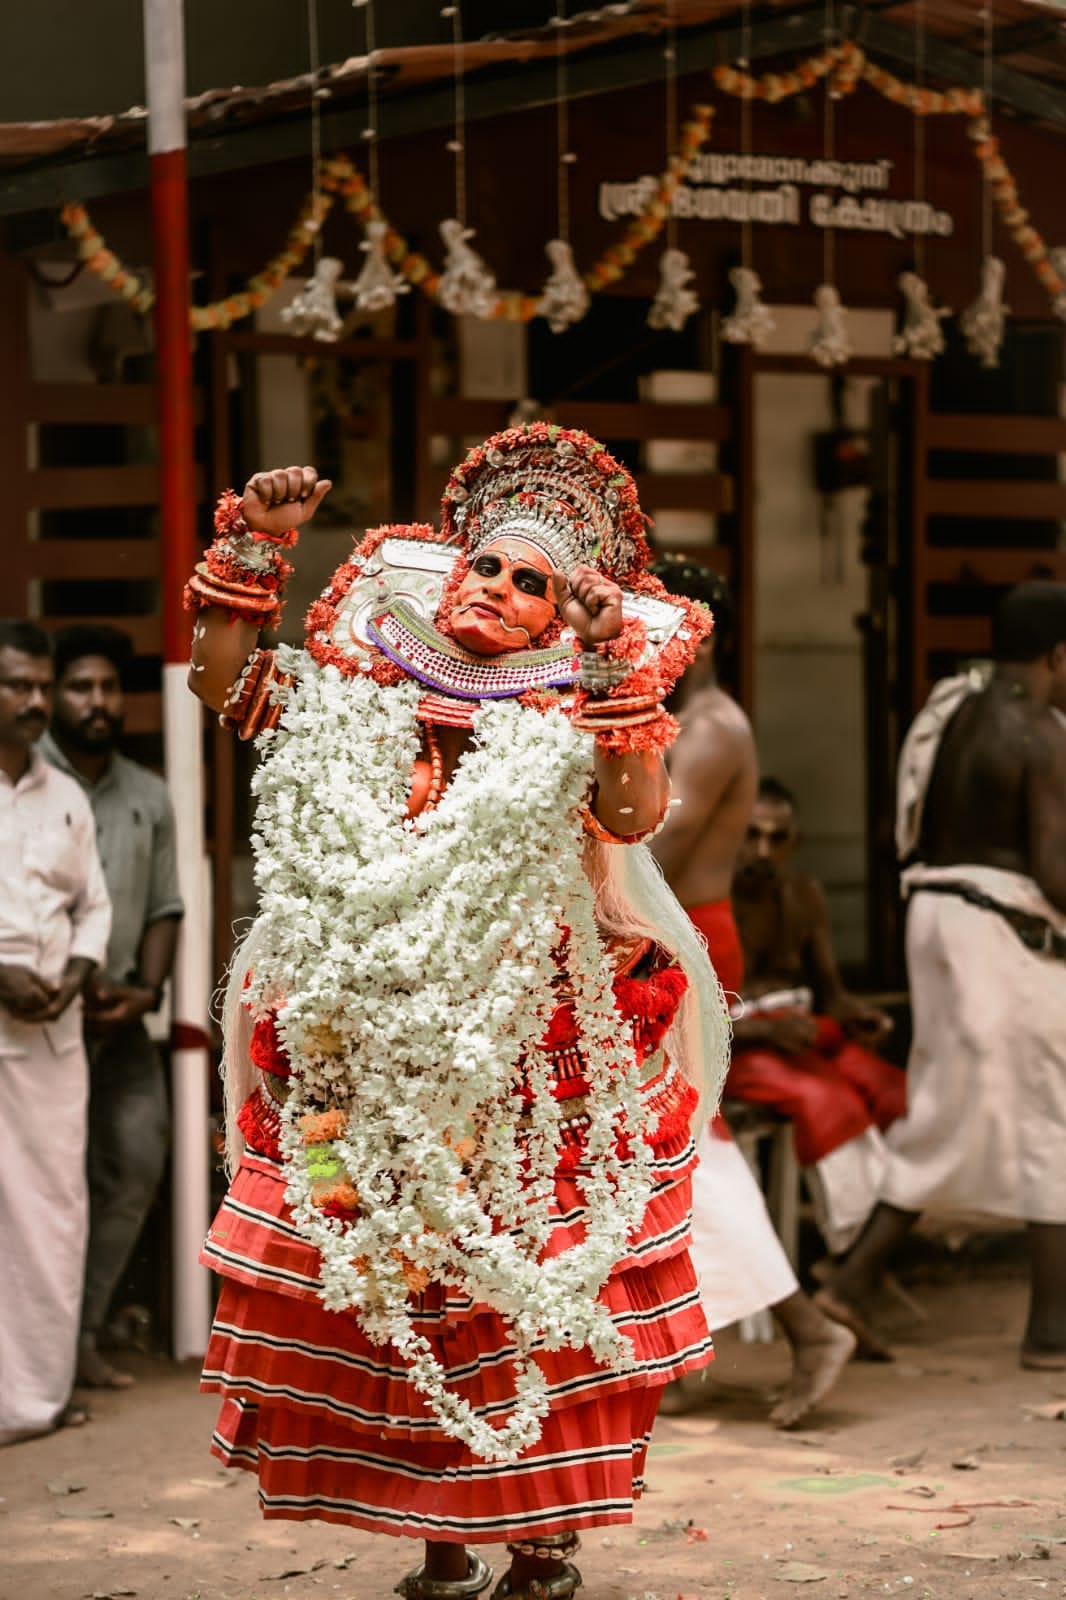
(43, 1220)
(985, 1130)
(739, 1261)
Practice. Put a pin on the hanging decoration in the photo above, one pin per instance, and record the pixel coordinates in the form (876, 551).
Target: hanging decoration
(565, 299)
(376, 287)
(921, 337)
(313, 309)
(467, 286)
(751, 321)
(983, 323)
(829, 345)
(340, 179)
(674, 300)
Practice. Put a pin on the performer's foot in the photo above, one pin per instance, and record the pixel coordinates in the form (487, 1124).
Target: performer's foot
(441, 1579)
(96, 1373)
(816, 1365)
(73, 1415)
(540, 1570)
(868, 1347)
(1035, 1360)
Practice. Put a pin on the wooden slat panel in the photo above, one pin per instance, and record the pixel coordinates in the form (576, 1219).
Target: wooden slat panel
(946, 497)
(94, 558)
(79, 488)
(964, 636)
(685, 491)
(604, 419)
(127, 404)
(146, 632)
(1000, 567)
(1010, 435)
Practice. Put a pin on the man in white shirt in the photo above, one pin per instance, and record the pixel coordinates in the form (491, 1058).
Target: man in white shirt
(54, 923)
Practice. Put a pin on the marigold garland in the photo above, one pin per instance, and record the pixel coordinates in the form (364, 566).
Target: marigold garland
(845, 64)
(220, 313)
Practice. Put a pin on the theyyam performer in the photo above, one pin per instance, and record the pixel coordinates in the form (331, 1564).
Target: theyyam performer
(470, 1027)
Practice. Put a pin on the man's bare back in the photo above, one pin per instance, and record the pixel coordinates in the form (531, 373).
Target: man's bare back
(714, 771)
(996, 795)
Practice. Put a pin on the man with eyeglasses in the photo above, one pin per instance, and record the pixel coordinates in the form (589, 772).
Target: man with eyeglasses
(740, 1263)
(804, 1045)
(54, 923)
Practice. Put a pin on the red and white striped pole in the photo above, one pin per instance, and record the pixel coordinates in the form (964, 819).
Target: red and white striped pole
(164, 54)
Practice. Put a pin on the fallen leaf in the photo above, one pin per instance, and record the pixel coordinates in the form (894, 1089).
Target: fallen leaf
(112, 1594)
(966, 1464)
(1053, 1411)
(695, 1535)
(188, 1523)
(922, 1490)
(800, 1572)
(912, 1460)
(63, 1486)
(223, 1481)
(82, 1516)
(288, 1572)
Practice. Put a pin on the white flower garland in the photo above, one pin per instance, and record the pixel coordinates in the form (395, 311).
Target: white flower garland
(410, 964)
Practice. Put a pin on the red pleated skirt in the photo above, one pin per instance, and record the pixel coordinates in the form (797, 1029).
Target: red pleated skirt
(335, 1430)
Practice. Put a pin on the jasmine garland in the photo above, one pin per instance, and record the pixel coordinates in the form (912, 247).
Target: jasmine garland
(410, 965)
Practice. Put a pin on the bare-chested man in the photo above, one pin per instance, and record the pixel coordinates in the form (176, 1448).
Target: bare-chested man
(741, 1265)
(802, 1045)
(983, 812)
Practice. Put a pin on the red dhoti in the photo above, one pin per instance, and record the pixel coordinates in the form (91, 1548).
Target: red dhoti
(830, 1093)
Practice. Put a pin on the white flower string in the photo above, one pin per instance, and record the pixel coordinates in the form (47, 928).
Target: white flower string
(675, 301)
(984, 321)
(751, 320)
(565, 298)
(467, 284)
(313, 309)
(410, 964)
(920, 336)
(830, 342)
(376, 287)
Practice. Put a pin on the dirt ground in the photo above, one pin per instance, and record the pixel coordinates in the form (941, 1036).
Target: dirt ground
(940, 1477)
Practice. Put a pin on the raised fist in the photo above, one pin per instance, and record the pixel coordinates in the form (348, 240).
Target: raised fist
(286, 498)
(589, 603)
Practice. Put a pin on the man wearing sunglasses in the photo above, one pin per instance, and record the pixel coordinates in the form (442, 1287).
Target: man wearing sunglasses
(803, 1046)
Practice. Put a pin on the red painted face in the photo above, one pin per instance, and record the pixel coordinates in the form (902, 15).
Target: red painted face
(505, 602)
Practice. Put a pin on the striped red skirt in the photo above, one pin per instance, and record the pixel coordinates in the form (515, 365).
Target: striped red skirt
(335, 1431)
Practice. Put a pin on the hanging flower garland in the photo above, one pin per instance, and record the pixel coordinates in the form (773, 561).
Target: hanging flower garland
(339, 177)
(348, 181)
(403, 1163)
(846, 63)
(99, 259)
(1004, 189)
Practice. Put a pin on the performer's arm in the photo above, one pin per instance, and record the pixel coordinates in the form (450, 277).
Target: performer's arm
(632, 790)
(274, 505)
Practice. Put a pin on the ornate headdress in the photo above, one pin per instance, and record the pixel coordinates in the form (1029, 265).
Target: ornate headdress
(555, 487)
